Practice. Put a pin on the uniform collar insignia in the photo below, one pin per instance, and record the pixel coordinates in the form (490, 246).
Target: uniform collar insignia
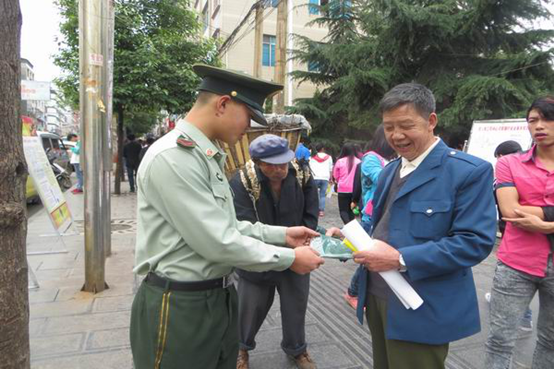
(185, 142)
(210, 152)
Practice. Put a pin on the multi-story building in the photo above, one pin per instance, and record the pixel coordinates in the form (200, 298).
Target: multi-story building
(55, 118)
(35, 109)
(220, 18)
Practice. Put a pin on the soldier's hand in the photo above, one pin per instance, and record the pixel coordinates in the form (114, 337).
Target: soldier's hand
(306, 259)
(300, 236)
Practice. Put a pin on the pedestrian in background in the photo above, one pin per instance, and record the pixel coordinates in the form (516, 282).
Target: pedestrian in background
(525, 193)
(378, 152)
(508, 148)
(321, 165)
(131, 153)
(149, 141)
(302, 152)
(75, 160)
(274, 190)
(343, 174)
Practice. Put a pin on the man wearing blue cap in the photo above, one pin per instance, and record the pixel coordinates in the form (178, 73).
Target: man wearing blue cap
(189, 240)
(273, 189)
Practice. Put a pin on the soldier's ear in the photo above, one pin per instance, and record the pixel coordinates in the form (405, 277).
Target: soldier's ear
(221, 104)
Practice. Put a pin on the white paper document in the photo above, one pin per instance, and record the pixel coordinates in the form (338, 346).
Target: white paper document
(354, 232)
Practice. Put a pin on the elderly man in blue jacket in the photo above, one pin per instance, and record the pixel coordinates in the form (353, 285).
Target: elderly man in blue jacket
(434, 219)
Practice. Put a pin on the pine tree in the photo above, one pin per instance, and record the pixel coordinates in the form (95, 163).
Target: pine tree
(481, 59)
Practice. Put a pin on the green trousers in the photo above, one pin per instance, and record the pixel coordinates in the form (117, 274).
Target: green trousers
(184, 330)
(395, 354)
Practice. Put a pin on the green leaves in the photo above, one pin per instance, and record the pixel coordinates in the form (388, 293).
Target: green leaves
(156, 44)
(478, 56)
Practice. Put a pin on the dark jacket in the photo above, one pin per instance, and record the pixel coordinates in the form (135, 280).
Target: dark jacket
(297, 206)
(131, 153)
(357, 189)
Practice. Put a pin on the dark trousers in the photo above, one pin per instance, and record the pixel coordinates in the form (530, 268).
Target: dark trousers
(395, 354)
(346, 213)
(131, 173)
(255, 300)
(175, 330)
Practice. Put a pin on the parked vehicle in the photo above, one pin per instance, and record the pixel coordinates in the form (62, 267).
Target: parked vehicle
(62, 176)
(58, 149)
(57, 153)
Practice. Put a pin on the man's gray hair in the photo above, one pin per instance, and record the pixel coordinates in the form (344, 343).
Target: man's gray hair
(409, 93)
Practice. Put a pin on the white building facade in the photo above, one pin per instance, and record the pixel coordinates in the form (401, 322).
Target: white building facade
(220, 18)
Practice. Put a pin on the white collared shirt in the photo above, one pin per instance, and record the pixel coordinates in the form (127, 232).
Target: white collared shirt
(409, 166)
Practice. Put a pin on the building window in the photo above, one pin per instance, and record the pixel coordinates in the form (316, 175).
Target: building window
(205, 17)
(268, 51)
(217, 33)
(313, 66)
(217, 4)
(314, 6)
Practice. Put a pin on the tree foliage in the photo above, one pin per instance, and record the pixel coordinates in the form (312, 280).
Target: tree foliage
(156, 43)
(481, 59)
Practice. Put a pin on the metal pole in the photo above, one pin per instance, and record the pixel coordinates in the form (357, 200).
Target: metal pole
(91, 63)
(258, 38)
(281, 54)
(290, 48)
(108, 45)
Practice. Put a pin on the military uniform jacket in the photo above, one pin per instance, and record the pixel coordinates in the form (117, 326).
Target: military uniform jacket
(187, 228)
(297, 206)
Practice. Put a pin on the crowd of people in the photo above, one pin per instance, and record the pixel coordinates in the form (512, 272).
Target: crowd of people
(430, 210)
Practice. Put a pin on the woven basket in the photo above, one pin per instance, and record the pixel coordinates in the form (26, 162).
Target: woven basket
(238, 154)
(286, 126)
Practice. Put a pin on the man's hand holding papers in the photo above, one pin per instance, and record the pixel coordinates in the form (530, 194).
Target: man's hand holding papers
(379, 258)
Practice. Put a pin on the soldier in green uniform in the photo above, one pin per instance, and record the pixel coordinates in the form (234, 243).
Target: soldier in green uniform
(184, 314)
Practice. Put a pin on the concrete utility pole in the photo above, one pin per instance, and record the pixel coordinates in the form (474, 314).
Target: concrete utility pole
(107, 93)
(92, 21)
(290, 47)
(281, 54)
(258, 39)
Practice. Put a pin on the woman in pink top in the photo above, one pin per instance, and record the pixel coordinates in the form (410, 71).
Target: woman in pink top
(343, 173)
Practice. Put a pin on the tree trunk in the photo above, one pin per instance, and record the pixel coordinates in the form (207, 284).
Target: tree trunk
(14, 298)
(119, 166)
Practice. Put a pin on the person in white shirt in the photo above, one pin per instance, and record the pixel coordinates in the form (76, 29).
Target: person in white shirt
(321, 165)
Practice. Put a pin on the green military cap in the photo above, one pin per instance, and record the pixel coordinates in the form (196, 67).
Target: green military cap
(240, 86)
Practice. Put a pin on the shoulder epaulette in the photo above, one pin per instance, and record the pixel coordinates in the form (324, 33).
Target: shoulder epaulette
(464, 156)
(185, 142)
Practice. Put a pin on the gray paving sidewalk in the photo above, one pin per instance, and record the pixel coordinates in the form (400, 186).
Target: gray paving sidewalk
(73, 329)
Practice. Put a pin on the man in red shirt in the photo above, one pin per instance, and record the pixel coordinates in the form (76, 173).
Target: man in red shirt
(525, 192)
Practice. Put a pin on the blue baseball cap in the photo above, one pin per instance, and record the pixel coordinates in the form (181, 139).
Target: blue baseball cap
(271, 149)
